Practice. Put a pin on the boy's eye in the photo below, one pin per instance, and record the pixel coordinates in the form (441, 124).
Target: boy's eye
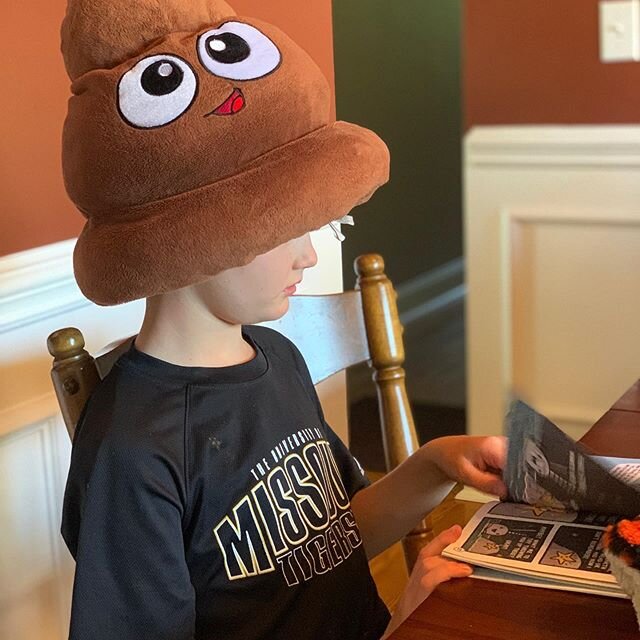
(156, 91)
(238, 51)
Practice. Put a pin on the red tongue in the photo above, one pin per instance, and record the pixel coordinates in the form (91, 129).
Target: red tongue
(234, 103)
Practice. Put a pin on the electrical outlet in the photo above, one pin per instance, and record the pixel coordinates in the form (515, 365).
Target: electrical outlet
(620, 30)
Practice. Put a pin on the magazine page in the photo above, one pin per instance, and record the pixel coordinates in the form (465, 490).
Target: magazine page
(626, 470)
(546, 467)
(540, 542)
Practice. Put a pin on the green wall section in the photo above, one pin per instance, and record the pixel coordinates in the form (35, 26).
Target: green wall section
(397, 68)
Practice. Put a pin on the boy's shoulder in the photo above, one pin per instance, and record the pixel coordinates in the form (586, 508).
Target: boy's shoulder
(137, 389)
(128, 406)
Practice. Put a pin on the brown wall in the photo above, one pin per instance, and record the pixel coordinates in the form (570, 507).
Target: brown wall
(537, 62)
(34, 209)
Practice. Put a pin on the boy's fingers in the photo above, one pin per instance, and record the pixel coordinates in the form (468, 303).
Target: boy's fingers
(443, 572)
(453, 568)
(441, 541)
(449, 535)
(494, 451)
(459, 569)
(485, 481)
(431, 562)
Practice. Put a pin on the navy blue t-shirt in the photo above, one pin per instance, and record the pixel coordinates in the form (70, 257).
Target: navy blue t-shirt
(207, 503)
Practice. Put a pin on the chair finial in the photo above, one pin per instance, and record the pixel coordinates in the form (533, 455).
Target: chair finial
(65, 343)
(368, 265)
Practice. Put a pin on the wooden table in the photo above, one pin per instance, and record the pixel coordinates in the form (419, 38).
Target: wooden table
(471, 609)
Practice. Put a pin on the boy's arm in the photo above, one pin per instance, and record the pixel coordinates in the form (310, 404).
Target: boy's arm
(132, 580)
(388, 509)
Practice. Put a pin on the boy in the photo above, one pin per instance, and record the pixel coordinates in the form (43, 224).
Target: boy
(207, 497)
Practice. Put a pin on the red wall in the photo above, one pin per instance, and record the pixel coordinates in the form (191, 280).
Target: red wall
(34, 208)
(537, 62)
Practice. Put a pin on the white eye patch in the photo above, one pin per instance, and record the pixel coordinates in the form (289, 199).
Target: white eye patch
(156, 91)
(238, 51)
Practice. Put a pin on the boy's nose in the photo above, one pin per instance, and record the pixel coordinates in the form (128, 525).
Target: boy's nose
(307, 256)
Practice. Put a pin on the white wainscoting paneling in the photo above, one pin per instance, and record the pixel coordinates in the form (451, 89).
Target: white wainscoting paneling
(552, 235)
(35, 567)
(38, 295)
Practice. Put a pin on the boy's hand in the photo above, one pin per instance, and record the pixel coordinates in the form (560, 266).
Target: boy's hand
(430, 570)
(476, 461)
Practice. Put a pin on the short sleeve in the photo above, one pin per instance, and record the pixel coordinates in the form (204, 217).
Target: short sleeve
(131, 580)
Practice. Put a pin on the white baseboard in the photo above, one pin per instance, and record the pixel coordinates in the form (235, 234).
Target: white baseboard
(553, 146)
(431, 292)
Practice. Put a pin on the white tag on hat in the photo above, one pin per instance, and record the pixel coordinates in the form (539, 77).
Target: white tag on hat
(335, 227)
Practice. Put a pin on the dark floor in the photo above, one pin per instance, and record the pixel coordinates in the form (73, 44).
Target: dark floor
(435, 381)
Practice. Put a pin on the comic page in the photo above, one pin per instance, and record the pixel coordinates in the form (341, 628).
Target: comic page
(556, 546)
(561, 499)
(545, 467)
(507, 539)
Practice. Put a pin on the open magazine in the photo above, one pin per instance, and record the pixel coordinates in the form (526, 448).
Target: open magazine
(561, 498)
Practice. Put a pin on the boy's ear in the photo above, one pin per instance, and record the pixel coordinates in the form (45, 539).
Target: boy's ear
(101, 34)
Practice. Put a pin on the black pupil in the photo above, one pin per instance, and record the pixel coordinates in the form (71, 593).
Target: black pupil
(161, 78)
(228, 48)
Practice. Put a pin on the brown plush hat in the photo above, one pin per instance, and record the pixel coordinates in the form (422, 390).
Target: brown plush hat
(196, 140)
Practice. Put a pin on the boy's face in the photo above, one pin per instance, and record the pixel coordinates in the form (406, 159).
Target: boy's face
(260, 290)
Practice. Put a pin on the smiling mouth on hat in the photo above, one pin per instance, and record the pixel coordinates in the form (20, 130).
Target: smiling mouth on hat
(232, 105)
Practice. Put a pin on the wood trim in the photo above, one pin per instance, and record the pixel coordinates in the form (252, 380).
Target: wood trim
(37, 284)
(432, 292)
(13, 419)
(609, 145)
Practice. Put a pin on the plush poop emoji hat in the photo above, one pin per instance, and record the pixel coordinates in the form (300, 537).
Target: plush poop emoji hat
(196, 140)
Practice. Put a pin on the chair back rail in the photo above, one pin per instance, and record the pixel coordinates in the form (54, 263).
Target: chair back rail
(328, 330)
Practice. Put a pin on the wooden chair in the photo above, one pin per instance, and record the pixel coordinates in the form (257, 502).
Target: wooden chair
(333, 332)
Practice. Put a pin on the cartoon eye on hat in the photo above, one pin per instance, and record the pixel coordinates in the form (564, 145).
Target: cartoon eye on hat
(156, 91)
(160, 88)
(238, 51)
